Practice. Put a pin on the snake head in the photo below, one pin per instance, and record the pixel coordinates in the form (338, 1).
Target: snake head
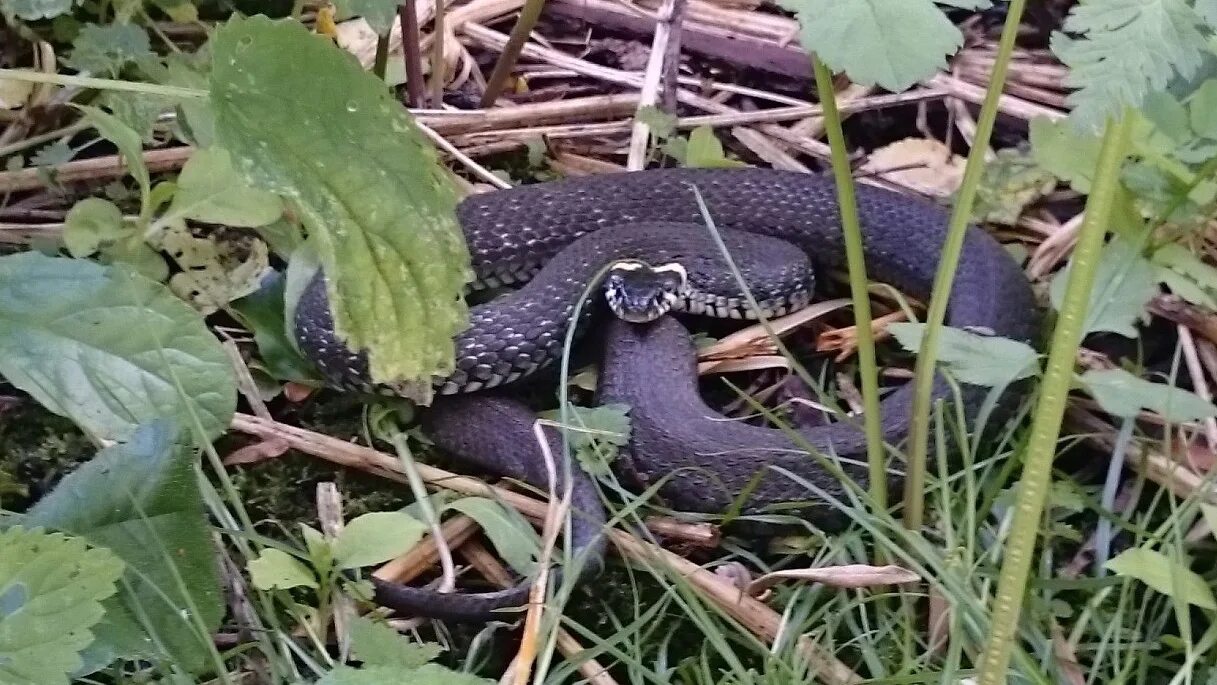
(638, 292)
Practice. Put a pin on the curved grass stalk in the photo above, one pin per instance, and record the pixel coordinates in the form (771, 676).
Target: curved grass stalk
(923, 373)
(852, 230)
(1050, 409)
(101, 84)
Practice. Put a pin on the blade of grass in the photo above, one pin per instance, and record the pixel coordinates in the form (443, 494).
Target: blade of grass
(852, 229)
(1050, 409)
(923, 372)
(529, 15)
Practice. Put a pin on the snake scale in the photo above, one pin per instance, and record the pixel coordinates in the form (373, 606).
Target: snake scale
(514, 232)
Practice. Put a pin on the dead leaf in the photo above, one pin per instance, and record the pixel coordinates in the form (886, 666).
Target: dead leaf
(257, 452)
(850, 576)
(922, 164)
(218, 266)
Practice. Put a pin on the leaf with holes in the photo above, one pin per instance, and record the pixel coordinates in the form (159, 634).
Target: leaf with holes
(109, 348)
(218, 266)
(368, 186)
(51, 592)
(890, 43)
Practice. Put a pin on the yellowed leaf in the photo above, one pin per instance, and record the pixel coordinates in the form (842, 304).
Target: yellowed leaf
(922, 164)
(848, 576)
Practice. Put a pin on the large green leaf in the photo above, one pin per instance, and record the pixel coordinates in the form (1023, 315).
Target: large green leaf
(109, 348)
(51, 587)
(1123, 283)
(140, 499)
(507, 529)
(1122, 394)
(984, 360)
(1164, 574)
(892, 43)
(320, 131)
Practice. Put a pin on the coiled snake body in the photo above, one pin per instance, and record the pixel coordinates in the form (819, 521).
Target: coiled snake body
(651, 367)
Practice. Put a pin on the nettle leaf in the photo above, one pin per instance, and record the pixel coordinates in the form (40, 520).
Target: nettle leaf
(376, 537)
(366, 183)
(507, 529)
(1164, 574)
(1124, 282)
(109, 348)
(596, 434)
(376, 644)
(209, 189)
(1011, 182)
(972, 358)
(51, 592)
(379, 14)
(1124, 395)
(890, 43)
(140, 500)
(1125, 50)
(276, 569)
(106, 49)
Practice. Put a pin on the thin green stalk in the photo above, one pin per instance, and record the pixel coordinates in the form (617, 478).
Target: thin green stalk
(100, 83)
(380, 62)
(927, 358)
(529, 15)
(1054, 390)
(852, 230)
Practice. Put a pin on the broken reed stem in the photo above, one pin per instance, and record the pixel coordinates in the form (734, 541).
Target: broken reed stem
(640, 136)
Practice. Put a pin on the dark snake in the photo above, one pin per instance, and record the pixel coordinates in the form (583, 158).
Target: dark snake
(708, 461)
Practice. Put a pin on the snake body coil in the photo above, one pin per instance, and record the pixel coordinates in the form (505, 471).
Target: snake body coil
(511, 233)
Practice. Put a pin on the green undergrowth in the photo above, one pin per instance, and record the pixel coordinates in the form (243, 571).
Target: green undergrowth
(308, 161)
